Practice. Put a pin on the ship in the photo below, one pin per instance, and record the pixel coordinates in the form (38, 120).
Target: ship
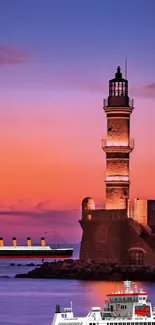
(127, 307)
(30, 251)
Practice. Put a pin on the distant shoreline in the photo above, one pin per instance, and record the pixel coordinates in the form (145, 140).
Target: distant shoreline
(75, 269)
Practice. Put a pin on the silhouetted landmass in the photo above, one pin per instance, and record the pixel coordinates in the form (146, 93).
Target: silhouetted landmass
(4, 276)
(75, 269)
(29, 264)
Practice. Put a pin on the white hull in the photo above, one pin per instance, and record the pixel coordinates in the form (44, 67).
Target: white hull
(122, 308)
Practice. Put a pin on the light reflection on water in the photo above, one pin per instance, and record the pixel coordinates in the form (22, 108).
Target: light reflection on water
(32, 301)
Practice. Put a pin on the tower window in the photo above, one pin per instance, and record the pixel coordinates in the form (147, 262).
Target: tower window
(136, 257)
(125, 192)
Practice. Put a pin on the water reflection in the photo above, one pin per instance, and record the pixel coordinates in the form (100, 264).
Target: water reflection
(32, 301)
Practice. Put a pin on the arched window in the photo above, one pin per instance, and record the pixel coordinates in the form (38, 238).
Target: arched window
(136, 256)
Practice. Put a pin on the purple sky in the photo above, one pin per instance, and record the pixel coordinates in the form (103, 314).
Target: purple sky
(56, 58)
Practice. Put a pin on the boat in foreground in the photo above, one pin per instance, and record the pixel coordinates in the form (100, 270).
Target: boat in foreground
(128, 307)
(30, 251)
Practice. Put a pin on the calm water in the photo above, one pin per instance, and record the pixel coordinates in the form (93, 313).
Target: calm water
(32, 301)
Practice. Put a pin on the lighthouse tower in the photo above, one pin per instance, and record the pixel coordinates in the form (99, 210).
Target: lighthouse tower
(118, 143)
(108, 236)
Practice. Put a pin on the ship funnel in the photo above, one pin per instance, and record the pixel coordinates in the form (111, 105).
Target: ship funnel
(1, 241)
(14, 241)
(43, 243)
(57, 309)
(29, 243)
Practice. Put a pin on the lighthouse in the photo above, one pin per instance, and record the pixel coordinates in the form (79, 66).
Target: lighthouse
(110, 235)
(118, 145)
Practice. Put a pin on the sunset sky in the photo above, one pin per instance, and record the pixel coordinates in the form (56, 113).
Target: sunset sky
(56, 58)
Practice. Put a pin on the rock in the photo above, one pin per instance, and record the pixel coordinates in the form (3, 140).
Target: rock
(115, 277)
(4, 276)
(75, 269)
(21, 276)
(69, 261)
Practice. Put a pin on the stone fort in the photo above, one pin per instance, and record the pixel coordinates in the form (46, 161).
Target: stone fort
(123, 232)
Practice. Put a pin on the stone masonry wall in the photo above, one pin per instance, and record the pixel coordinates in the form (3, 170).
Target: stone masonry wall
(118, 130)
(117, 167)
(110, 241)
(100, 241)
(116, 197)
(131, 239)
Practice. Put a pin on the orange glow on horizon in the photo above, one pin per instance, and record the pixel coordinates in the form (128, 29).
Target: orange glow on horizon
(55, 155)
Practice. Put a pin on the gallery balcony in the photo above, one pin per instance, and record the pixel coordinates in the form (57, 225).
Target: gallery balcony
(118, 101)
(117, 146)
(117, 178)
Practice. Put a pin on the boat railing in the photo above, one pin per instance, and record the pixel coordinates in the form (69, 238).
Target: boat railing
(106, 301)
(113, 318)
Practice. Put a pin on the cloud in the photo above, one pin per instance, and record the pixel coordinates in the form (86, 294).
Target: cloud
(25, 218)
(37, 223)
(52, 217)
(42, 212)
(9, 55)
(151, 86)
(147, 91)
(44, 205)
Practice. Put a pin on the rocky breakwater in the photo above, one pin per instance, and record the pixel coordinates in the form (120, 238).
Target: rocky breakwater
(75, 269)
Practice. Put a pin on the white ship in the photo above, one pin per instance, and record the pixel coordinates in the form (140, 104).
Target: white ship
(30, 251)
(128, 307)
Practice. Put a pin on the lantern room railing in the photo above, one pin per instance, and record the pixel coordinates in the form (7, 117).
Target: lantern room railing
(115, 101)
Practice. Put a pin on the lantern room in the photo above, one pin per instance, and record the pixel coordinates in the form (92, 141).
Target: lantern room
(118, 86)
(118, 92)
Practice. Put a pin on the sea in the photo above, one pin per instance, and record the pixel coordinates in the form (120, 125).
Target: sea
(33, 301)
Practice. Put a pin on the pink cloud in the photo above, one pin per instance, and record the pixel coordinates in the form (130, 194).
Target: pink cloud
(9, 55)
(44, 205)
(151, 86)
(97, 85)
(147, 91)
(40, 219)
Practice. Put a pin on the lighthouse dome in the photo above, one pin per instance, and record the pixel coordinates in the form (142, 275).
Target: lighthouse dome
(88, 203)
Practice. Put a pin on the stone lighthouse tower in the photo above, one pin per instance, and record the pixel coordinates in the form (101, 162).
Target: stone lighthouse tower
(118, 144)
(110, 235)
